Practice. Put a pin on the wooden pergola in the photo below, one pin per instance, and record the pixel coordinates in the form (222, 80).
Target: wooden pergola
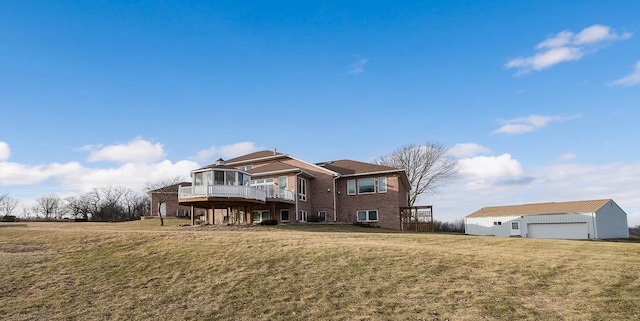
(417, 218)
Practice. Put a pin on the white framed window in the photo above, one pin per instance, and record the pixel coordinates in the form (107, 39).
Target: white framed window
(245, 168)
(351, 187)
(303, 216)
(366, 185)
(382, 184)
(322, 216)
(259, 216)
(302, 189)
(284, 215)
(367, 216)
(515, 226)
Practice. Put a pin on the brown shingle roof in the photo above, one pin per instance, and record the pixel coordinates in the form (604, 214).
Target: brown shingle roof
(351, 167)
(255, 155)
(272, 167)
(541, 208)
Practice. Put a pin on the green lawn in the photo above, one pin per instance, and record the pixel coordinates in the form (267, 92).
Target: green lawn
(141, 271)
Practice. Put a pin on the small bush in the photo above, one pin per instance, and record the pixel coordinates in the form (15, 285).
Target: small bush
(269, 222)
(9, 218)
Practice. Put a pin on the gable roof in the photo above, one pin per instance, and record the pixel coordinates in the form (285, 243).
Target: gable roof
(255, 155)
(590, 206)
(346, 167)
(276, 168)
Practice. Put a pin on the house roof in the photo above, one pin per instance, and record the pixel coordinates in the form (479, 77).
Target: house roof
(254, 156)
(276, 167)
(171, 188)
(347, 167)
(351, 167)
(590, 206)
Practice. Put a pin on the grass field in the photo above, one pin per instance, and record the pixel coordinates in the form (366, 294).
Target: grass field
(141, 271)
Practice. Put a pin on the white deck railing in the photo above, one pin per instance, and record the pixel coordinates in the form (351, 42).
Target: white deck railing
(187, 192)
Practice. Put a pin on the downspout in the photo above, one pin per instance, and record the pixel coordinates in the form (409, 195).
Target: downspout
(296, 196)
(335, 214)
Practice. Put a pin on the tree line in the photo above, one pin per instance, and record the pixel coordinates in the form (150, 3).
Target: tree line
(100, 204)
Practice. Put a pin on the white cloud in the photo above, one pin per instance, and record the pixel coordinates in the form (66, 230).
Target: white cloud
(358, 66)
(599, 33)
(567, 157)
(566, 46)
(20, 174)
(632, 79)
(137, 150)
(5, 151)
(527, 124)
(227, 151)
(490, 167)
(467, 150)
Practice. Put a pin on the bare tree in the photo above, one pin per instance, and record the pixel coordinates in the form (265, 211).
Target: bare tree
(427, 167)
(79, 206)
(50, 206)
(162, 196)
(8, 204)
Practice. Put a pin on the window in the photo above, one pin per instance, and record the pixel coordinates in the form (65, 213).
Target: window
(303, 216)
(382, 184)
(197, 179)
(366, 185)
(259, 216)
(230, 178)
(245, 168)
(182, 212)
(515, 226)
(284, 215)
(351, 187)
(302, 188)
(218, 177)
(368, 216)
(497, 223)
(322, 216)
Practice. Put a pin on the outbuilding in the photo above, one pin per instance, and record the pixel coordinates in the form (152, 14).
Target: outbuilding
(593, 219)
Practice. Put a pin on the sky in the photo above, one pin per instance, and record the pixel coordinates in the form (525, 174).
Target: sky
(537, 100)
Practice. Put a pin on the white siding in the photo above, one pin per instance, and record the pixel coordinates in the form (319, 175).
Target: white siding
(611, 222)
(486, 226)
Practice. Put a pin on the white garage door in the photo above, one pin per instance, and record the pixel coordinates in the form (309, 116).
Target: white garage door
(573, 231)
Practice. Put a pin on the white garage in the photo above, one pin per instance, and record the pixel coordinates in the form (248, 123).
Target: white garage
(594, 219)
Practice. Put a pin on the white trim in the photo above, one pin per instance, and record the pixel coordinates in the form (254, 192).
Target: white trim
(364, 193)
(385, 184)
(368, 215)
(299, 186)
(303, 216)
(374, 173)
(355, 187)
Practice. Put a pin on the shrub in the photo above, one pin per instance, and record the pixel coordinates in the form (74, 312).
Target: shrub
(9, 218)
(269, 222)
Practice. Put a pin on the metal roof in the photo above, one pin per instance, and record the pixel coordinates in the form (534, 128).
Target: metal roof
(590, 206)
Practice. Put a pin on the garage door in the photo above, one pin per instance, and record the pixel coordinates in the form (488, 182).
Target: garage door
(573, 231)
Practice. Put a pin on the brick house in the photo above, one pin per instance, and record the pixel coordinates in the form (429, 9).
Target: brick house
(168, 197)
(276, 187)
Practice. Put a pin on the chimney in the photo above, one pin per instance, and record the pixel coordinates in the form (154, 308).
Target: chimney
(274, 151)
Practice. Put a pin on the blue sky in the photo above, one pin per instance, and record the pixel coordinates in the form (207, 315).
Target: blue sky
(538, 99)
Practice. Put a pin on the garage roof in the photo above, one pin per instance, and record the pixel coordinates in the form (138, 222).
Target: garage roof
(542, 208)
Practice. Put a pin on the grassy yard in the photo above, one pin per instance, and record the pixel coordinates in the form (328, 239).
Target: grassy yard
(141, 271)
